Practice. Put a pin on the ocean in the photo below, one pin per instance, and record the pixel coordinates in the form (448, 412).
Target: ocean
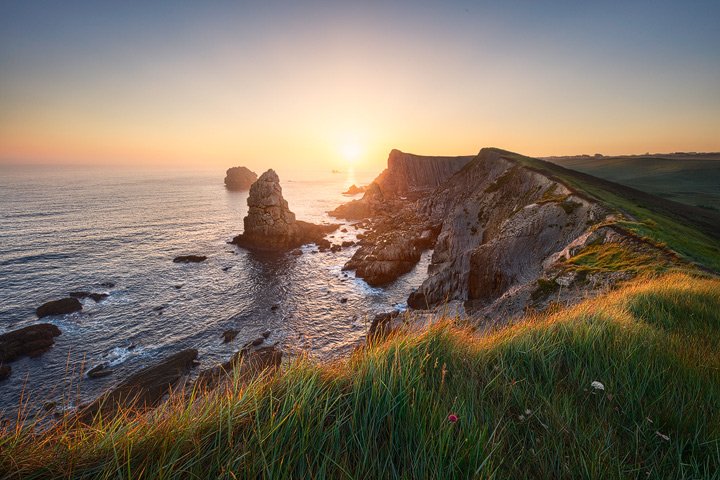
(70, 229)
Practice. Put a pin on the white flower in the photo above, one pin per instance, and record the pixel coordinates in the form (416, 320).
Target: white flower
(527, 411)
(597, 385)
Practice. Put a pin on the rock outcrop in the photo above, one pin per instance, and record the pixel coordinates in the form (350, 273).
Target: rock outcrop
(59, 307)
(189, 259)
(248, 362)
(30, 341)
(239, 178)
(145, 388)
(408, 174)
(270, 225)
(355, 190)
(499, 225)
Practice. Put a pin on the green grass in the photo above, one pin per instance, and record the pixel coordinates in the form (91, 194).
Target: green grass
(523, 396)
(692, 232)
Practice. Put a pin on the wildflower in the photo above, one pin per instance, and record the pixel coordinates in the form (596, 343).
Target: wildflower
(528, 411)
(664, 437)
(597, 385)
(521, 417)
(452, 418)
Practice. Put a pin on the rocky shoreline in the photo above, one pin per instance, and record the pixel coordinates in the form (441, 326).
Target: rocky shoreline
(502, 237)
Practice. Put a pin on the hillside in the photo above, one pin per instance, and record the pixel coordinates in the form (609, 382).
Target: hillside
(692, 179)
(622, 386)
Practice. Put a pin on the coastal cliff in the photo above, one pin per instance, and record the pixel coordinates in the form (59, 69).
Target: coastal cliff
(507, 234)
(408, 174)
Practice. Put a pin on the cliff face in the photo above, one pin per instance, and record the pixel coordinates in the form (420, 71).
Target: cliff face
(500, 223)
(407, 173)
(505, 234)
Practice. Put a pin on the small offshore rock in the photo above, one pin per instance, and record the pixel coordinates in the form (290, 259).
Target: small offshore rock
(5, 372)
(96, 297)
(239, 178)
(190, 259)
(229, 335)
(266, 333)
(108, 284)
(99, 371)
(257, 341)
(59, 307)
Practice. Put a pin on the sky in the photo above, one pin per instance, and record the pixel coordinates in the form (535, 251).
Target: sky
(331, 84)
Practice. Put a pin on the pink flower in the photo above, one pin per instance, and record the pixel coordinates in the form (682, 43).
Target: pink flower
(452, 418)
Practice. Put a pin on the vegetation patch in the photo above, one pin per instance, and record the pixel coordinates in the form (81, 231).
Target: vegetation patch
(692, 232)
(544, 289)
(618, 257)
(622, 386)
(503, 180)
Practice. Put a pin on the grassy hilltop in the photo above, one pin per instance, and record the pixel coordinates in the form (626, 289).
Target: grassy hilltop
(624, 385)
(523, 397)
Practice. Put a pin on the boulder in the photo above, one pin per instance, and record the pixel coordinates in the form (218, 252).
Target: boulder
(190, 259)
(143, 389)
(30, 341)
(239, 178)
(59, 307)
(270, 225)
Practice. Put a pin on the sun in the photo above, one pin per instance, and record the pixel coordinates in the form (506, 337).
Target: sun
(351, 152)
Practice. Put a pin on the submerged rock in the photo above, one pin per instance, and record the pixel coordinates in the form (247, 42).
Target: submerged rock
(5, 371)
(190, 259)
(59, 307)
(239, 178)
(29, 341)
(143, 389)
(270, 225)
(97, 297)
(229, 335)
(99, 371)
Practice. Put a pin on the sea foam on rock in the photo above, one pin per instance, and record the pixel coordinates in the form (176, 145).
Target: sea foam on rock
(270, 225)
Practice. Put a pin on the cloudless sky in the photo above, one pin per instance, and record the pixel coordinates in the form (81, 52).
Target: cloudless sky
(320, 84)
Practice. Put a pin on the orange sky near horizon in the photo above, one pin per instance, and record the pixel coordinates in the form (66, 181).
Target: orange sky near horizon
(311, 89)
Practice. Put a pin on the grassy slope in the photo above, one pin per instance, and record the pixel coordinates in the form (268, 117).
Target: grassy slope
(523, 396)
(692, 179)
(692, 232)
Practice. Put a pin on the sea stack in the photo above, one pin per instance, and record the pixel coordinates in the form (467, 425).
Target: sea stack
(239, 178)
(270, 225)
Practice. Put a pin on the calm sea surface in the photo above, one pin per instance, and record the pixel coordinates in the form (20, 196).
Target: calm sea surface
(74, 229)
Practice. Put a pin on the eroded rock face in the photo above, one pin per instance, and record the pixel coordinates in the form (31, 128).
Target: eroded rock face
(239, 178)
(501, 222)
(270, 225)
(408, 174)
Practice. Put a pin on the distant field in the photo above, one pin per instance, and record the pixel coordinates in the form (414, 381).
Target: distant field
(692, 179)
